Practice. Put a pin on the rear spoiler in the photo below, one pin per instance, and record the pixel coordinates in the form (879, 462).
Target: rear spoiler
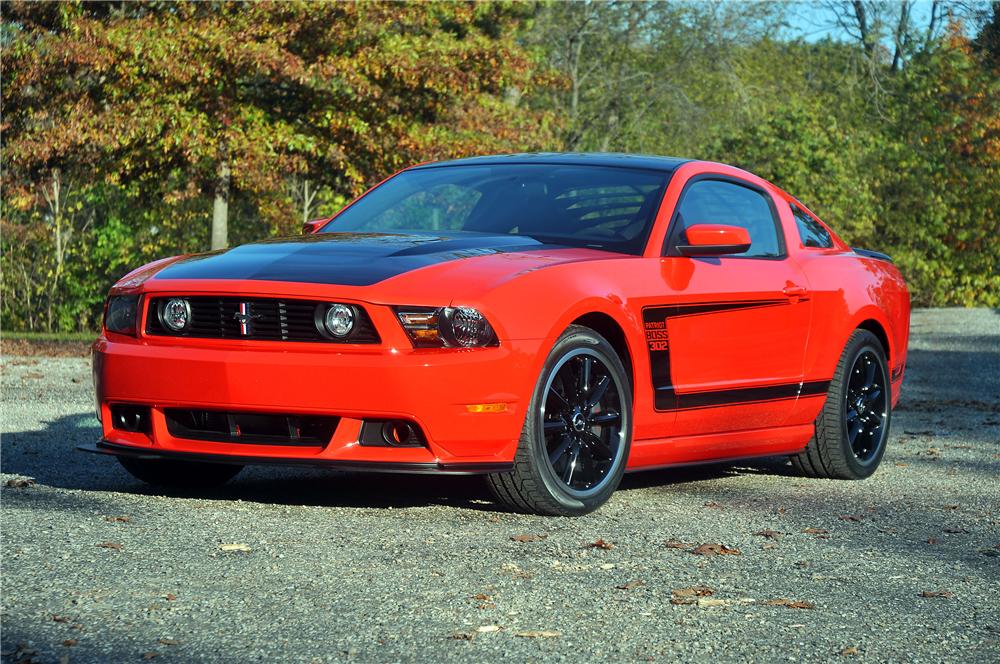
(868, 253)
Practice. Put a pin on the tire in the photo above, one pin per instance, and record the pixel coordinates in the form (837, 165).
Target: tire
(180, 474)
(580, 433)
(853, 427)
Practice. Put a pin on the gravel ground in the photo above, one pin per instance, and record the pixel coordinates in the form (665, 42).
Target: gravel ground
(98, 568)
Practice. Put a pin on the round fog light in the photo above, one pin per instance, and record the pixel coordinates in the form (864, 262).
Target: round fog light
(339, 320)
(175, 314)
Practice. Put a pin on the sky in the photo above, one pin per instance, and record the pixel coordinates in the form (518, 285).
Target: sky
(814, 21)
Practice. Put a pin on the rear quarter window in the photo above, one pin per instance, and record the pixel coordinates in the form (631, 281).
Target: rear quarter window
(811, 232)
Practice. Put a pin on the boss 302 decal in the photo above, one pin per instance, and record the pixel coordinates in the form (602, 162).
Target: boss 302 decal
(656, 323)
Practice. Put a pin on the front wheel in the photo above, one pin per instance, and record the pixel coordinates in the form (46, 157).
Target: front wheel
(180, 474)
(576, 437)
(852, 428)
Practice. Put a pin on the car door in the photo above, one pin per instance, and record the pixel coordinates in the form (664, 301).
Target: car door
(727, 350)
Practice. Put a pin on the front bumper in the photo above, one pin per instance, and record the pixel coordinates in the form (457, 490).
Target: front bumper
(431, 388)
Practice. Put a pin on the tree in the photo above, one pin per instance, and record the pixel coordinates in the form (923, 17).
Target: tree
(175, 105)
(239, 97)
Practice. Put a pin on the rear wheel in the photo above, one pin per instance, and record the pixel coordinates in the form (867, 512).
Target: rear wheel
(852, 428)
(577, 432)
(180, 474)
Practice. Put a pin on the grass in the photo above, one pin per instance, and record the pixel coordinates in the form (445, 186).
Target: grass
(59, 337)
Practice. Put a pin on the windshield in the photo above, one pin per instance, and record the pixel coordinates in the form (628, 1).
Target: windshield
(575, 205)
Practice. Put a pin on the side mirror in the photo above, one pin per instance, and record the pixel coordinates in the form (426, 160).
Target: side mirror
(714, 240)
(314, 225)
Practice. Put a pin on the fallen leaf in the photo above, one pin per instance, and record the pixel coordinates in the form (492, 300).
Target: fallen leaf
(631, 584)
(528, 538)
(902, 464)
(601, 544)
(689, 595)
(149, 655)
(713, 602)
(791, 604)
(60, 619)
(677, 544)
(715, 550)
(69, 642)
(931, 540)
(714, 506)
(235, 547)
(693, 591)
(169, 642)
(538, 634)
(769, 545)
(485, 629)
(815, 531)
(850, 517)
(956, 531)
(111, 545)
(117, 519)
(848, 652)
(463, 636)
(20, 482)
(937, 593)
(170, 597)
(768, 533)
(482, 597)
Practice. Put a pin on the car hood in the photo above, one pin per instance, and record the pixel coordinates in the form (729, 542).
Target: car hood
(363, 259)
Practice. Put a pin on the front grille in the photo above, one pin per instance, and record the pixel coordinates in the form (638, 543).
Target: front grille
(251, 428)
(268, 319)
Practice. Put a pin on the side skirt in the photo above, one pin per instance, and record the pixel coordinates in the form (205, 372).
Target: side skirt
(707, 448)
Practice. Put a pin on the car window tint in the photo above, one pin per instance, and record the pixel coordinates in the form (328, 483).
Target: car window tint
(444, 207)
(575, 205)
(605, 211)
(718, 202)
(811, 232)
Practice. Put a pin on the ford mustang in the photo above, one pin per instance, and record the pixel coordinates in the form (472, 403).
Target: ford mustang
(549, 321)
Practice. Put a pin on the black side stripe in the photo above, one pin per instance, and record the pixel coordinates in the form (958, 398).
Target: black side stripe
(666, 397)
(744, 395)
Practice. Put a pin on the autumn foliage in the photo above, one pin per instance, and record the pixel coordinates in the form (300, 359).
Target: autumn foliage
(133, 131)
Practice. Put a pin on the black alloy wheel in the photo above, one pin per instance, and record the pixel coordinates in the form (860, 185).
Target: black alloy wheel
(852, 428)
(865, 407)
(581, 420)
(577, 432)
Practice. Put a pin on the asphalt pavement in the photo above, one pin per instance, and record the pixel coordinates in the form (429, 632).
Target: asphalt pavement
(299, 565)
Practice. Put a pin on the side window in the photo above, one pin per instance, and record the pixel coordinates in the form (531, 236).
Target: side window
(811, 231)
(720, 202)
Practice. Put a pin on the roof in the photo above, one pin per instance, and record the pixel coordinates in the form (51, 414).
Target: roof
(646, 162)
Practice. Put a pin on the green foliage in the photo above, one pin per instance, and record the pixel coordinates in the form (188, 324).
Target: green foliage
(118, 118)
(122, 120)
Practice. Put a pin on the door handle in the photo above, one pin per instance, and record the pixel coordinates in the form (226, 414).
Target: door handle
(794, 291)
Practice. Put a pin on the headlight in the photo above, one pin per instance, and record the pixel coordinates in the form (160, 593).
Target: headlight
(120, 314)
(452, 327)
(175, 314)
(339, 320)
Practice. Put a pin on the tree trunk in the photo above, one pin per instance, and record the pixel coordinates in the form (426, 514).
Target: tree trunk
(220, 209)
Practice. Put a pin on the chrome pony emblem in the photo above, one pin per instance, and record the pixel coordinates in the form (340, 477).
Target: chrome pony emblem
(243, 317)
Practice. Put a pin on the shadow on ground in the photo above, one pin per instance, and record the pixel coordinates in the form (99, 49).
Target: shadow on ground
(51, 458)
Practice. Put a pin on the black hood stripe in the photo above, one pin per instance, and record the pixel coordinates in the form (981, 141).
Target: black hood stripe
(347, 259)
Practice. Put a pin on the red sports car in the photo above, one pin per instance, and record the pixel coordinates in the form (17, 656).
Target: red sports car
(550, 321)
